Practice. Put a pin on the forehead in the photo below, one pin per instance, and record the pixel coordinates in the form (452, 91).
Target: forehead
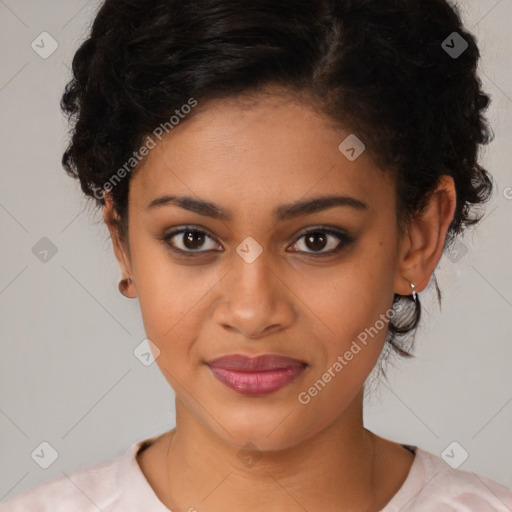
(264, 150)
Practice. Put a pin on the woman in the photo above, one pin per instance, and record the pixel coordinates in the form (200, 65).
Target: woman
(279, 180)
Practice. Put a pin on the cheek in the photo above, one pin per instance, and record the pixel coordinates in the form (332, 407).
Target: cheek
(349, 297)
(175, 303)
(352, 309)
(358, 319)
(166, 291)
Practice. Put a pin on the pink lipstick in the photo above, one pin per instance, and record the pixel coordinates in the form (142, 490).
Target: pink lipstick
(256, 375)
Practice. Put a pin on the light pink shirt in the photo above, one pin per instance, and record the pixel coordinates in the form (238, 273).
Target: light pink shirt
(118, 485)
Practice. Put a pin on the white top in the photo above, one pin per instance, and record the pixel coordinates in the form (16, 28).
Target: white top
(118, 485)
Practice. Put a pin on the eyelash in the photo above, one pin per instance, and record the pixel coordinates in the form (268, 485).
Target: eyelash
(344, 238)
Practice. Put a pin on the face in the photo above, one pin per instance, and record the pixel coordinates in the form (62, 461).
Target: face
(314, 284)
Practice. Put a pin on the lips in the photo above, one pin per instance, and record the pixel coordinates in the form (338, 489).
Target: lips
(265, 362)
(255, 375)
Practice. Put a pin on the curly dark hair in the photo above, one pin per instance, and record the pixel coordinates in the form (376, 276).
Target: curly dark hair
(378, 67)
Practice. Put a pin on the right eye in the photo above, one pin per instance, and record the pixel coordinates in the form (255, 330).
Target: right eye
(187, 241)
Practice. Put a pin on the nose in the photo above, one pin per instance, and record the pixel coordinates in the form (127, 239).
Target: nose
(255, 300)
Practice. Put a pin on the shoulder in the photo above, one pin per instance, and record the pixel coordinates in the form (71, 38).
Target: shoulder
(434, 485)
(90, 488)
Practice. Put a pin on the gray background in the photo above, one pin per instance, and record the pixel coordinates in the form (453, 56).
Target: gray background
(68, 373)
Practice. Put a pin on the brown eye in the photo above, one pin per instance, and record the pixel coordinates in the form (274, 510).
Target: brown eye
(315, 241)
(189, 240)
(193, 239)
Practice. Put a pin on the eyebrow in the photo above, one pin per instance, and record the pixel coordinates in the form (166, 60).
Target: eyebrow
(280, 213)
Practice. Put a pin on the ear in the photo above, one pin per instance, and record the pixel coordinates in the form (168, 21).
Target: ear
(422, 245)
(120, 251)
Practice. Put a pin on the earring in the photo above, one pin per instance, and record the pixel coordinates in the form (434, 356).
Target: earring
(413, 293)
(123, 285)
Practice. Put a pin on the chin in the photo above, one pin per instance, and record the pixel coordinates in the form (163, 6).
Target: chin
(268, 430)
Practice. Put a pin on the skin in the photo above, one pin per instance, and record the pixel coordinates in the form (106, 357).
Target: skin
(249, 158)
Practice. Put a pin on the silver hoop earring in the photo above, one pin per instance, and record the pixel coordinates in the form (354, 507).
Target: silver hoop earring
(413, 293)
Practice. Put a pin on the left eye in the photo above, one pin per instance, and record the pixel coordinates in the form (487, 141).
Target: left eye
(317, 240)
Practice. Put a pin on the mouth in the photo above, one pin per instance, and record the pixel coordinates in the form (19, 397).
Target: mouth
(256, 375)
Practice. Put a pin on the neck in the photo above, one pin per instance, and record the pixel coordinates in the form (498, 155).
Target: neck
(332, 470)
